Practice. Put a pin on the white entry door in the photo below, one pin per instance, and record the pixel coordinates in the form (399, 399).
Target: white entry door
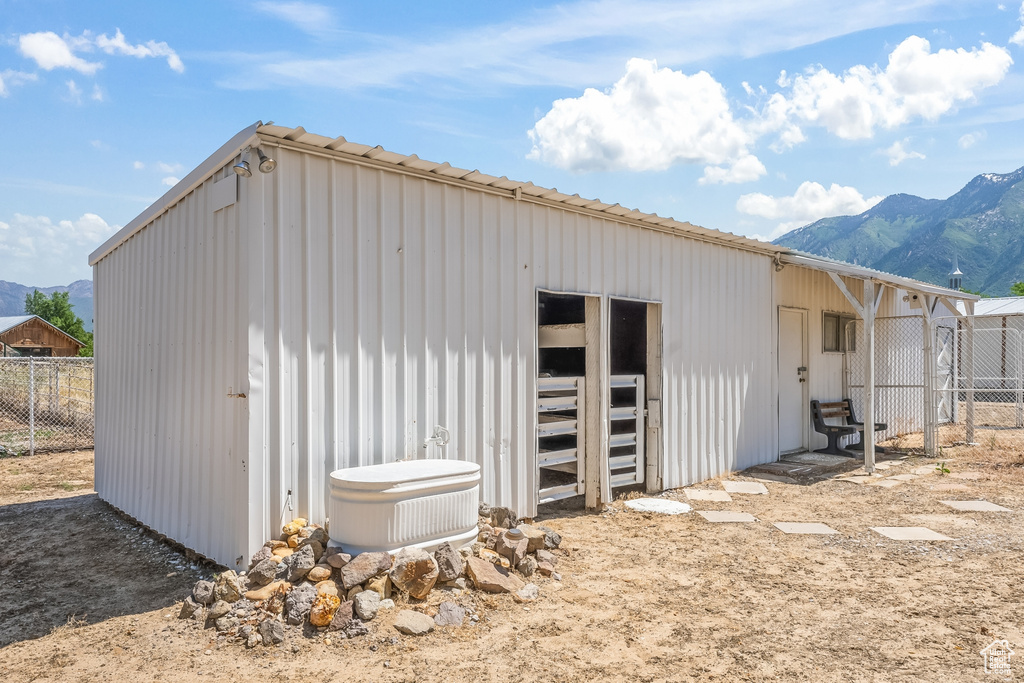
(793, 407)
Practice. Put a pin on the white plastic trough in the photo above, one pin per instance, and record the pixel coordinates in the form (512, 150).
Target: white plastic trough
(420, 503)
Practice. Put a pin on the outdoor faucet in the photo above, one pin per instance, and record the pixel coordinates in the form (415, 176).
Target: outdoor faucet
(439, 438)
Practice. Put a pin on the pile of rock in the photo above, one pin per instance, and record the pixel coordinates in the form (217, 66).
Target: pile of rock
(299, 582)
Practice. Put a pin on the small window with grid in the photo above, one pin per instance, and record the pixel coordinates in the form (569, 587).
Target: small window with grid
(833, 333)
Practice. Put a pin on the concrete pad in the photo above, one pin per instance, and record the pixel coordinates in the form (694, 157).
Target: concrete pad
(951, 487)
(909, 533)
(903, 477)
(966, 475)
(751, 487)
(885, 483)
(974, 506)
(726, 516)
(804, 528)
(816, 459)
(705, 494)
(771, 477)
(659, 505)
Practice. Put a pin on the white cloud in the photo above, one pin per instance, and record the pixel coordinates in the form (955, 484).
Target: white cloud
(916, 84)
(119, 46)
(74, 93)
(306, 16)
(810, 202)
(170, 181)
(10, 78)
(898, 154)
(169, 168)
(1018, 37)
(969, 139)
(649, 120)
(50, 52)
(138, 165)
(743, 170)
(97, 93)
(31, 246)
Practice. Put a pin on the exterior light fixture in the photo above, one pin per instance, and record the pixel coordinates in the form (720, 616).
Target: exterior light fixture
(242, 167)
(266, 163)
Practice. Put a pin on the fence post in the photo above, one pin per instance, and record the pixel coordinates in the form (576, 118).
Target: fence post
(31, 406)
(969, 353)
(930, 418)
(1020, 379)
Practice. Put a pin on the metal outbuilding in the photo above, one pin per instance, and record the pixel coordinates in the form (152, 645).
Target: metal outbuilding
(345, 305)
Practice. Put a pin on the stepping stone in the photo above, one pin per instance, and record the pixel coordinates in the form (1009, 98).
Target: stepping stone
(883, 465)
(804, 528)
(771, 477)
(860, 479)
(751, 487)
(909, 533)
(974, 506)
(706, 494)
(816, 459)
(659, 505)
(966, 475)
(924, 471)
(903, 477)
(726, 516)
(885, 483)
(951, 487)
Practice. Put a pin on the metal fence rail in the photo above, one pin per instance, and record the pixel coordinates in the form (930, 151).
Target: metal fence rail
(46, 404)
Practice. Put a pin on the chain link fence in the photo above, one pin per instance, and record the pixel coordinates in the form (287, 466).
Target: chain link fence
(46, 404)
(968, 387)
(980, 381)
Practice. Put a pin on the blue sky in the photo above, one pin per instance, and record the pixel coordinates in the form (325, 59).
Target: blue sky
(738, 115)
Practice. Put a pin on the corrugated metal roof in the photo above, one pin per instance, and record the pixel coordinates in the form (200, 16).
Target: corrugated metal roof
(1007, 305)
(10, 322)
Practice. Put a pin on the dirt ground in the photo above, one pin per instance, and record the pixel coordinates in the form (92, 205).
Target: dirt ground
(85, 595)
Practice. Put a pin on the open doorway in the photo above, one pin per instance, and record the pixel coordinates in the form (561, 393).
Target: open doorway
(627, 391)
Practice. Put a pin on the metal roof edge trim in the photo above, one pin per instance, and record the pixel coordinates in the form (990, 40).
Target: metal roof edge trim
(862, 273)
(194, 179)
(632, 217)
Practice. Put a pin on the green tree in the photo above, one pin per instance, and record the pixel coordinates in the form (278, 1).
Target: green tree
(1017, 289)
(981, 294)
(59, 312)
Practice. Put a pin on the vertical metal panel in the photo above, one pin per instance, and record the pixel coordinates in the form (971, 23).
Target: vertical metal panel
(430, 294)
(170, 334)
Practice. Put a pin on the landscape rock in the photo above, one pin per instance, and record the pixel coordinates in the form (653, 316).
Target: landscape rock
(527, 567)
(387, 603)
(263, 572)
(323, 609)
(552, 539)
(319, 573)
(264, 593)
(354, 628)
(450, 564)
(366, 604)
(283, 551)
(513, 549)
(545, 556)
(545, 568)
(342, 616)
(503, 517)
(313, 534)
(380, 584)
(218, 610)
(534, 536)
(293, 527)
(300, 564)
(298, 603)
(413, 623)
(252, 640)
(491, 578)
(203, 592)
(264, 553)
(414, 572)
(293, 541)
(364, 567)
(189, 608)
(527, 593)
(449, 614)
(271, 631)
(329, 587)
(274, 545)
(225, 623)
(337, 559)
(484, 510)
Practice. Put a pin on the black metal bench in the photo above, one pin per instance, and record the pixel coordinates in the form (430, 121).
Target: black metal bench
(852, 420)
(851, 425)
(819, 412)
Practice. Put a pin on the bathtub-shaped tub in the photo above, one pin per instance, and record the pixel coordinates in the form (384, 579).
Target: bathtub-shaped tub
(420, 503)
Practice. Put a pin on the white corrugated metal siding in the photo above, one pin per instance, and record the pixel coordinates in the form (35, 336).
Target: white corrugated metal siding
(396, 303)
(170, 334)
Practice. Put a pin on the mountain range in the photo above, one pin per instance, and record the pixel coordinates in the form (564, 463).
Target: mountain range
(12, 298)
(982, 225)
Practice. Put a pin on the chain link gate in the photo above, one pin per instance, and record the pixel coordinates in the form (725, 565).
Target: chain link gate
(46, 404)
(899, 377)
(980, 381)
